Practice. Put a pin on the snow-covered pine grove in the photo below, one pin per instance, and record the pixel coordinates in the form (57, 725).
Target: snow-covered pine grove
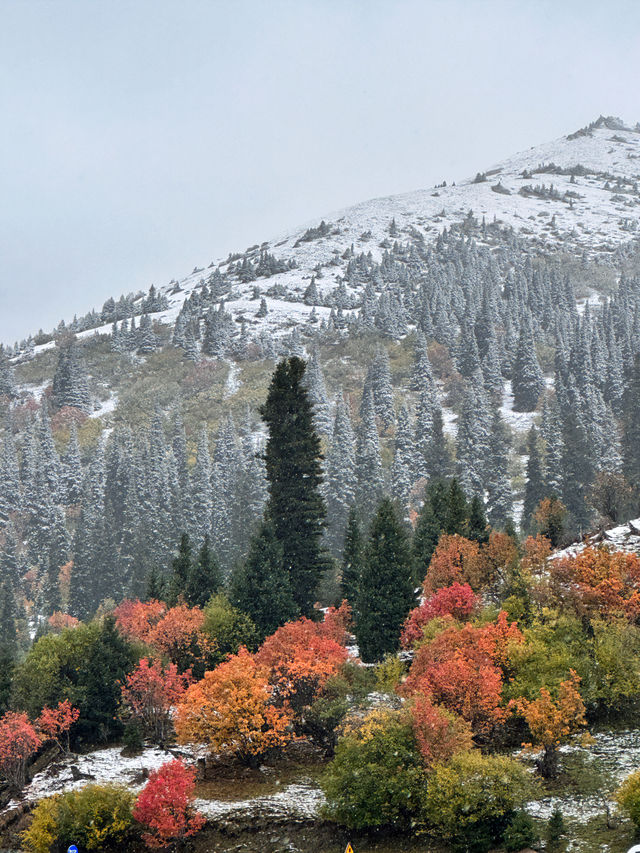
(486, 330)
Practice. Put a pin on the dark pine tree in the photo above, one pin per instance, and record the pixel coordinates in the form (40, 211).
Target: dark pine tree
(631, 432)
(181, 568)
(457, 516)
(478, 528)
(109, 659)
(156, 585)
(352, 560)
(204, 578)
(386, 592)
(260, 587)
(429, 527)
(294, 475)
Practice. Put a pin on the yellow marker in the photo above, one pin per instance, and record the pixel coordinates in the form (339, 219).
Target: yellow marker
(349, 849)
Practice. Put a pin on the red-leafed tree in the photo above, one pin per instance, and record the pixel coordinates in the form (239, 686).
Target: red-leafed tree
(300, 657)
(137, 619)
(55, 722)
(438, 733)
(463, 669)
(151, 691)
(337, 623)
(165, 806)
(457, 600)
(18, 742)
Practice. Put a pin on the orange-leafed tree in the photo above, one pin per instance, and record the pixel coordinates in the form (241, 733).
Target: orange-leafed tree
(598, 581)
(58, 621)
(232, 711)
(536, 552)
(136, 619)
(463, 669)
(55, 722)
(165, 806)
(455, 560)
(337, 622)
(552, 721)
(178, 634)
(438, 733)
(19, 741)
(300, 657)
(457, 600)
(151, 691)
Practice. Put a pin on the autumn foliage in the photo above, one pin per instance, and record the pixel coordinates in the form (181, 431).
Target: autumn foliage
(18, 742)
(455, 560)
(55, 722)
(231, 710)
(463, 669)
(438, 733)
(552, 721)
(457, 600)
(300, 657)
(597, 581)
(151, 691)
(165, 805)
(137, 619)
(175, 632)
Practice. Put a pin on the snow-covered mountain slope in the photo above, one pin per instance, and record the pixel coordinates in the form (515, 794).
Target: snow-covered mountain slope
(579, 193)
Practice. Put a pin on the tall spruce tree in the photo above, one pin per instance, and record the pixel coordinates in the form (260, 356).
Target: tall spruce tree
(352, 561)
(386, 592)
(260, 587)
(294, 475)
(204, 578)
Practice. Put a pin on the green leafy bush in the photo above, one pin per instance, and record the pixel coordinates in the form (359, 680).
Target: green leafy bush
(228, 626)
(470, 801)
(628, 797)
(376, 778)
(97, 817)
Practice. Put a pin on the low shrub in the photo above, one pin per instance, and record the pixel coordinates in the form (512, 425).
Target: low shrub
(96, 817)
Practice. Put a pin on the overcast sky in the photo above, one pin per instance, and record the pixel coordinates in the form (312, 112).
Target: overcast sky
(139, 139)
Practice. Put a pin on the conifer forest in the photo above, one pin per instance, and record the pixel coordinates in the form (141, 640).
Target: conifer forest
(336, 539)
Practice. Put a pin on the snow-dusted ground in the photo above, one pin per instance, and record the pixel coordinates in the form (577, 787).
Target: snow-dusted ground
(625, 537)
(300, 799)
(106, 407)
(616, 754)
(519, 421)
(100, 766)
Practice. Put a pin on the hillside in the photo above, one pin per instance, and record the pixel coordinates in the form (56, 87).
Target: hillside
(448, 321)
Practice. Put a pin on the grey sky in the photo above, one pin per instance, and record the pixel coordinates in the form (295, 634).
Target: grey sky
(141, 138)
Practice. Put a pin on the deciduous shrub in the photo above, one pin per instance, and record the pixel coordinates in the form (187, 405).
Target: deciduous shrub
(231, 710)
(165, 805)
(18, 742)
(96, 817)
(628, 796)
(151, 691)
(376, 778)
(469, 802)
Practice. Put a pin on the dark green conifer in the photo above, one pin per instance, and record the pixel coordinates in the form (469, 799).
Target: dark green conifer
(534, 489)
(425, 538)
(204, 578)
(386, 592)
(292, 456)
(260, 588)
(477, 527)
(352, 560)
(457, 510)
(181, 568)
